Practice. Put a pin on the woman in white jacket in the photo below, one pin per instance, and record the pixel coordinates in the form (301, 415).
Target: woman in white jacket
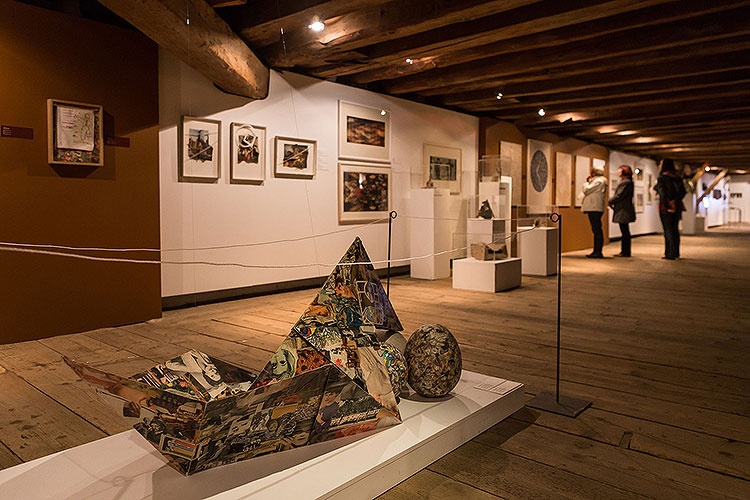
(593, 204)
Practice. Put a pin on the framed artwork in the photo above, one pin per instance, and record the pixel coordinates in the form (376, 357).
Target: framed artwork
(294, 158)
(364, 133)
(248, 150)
(639, 200)
(511, 165)
(563, 177)
(442, 166)
(650, 189)
(74, 133)
(364, 192)
(538, 155)
(200, 147)
(583, 169)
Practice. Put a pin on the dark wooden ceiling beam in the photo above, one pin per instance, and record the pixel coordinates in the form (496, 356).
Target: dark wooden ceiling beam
(648, 88)
(645, 44)
(207, 43)
(513, 111)
(393, 66)
(660, 127)
(260, 23)
(346, 33)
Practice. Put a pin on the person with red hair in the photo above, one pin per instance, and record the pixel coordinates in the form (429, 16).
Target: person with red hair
(623, 209)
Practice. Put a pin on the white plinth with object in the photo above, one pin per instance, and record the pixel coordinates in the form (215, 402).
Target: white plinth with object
(430, 234)
(538, 250)
(479, 230)
(126, 467)
(487, 275)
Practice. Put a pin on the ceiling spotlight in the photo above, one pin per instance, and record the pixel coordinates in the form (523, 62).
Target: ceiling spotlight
(409, 61)
(317, 24)
(383, 112)
(499, 95)
(541, 112)
(707, 168)
(637, 171)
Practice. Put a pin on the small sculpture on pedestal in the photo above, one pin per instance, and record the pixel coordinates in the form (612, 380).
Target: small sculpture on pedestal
(485, 211)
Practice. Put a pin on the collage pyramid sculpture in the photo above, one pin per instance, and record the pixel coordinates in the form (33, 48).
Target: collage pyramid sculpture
(326, 380)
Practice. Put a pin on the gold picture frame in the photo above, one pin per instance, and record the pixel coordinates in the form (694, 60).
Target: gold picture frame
(75, 134)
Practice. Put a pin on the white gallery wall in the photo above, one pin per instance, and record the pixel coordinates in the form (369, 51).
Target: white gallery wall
(199, 215)
(647, 221)
(716, 211)
(739, 198)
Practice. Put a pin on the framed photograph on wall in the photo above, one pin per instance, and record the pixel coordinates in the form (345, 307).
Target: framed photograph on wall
(248, 150)
(364, 192)
(364, 133)
(538, 176)
(640, 200)
(74, 133)
(442, 166)
(563, 177)
(200, 148)
(294, 158)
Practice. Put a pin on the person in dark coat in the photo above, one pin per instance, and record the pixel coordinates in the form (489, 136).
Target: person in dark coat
(624, 210)
(671, 190)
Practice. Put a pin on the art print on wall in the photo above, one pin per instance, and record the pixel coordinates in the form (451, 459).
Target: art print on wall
(364, 133)
(248, 150)
(200, 147)
(538, 176)
(294, 158)
(364, 192)
(583, 169)
(563, 176)
(74, 133)
(640, 200)
(442, 166)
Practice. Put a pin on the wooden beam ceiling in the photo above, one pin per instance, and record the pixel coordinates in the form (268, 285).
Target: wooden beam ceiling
(657, 77)
(206, 43)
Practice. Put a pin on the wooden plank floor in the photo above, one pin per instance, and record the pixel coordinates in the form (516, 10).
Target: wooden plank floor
(661, 347)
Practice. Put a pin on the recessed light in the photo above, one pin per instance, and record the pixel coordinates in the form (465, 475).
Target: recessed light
(383, 112)
(409, 61)
(499, 95)
(317, 24)
(541, 112)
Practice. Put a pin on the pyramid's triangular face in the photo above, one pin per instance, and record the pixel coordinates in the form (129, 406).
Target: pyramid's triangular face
(338, 328)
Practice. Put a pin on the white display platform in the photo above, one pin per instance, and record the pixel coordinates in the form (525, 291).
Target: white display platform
(126, 467)
(487, 275)
(479, 230)
(538, 250)
(499, 194)
(430, 234)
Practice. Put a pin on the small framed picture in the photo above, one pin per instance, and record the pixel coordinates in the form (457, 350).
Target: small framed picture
(248, 150)
(364, 192)
(364, 133)
(294, 157)
(442, 166)
(200, 145)
(74, 133)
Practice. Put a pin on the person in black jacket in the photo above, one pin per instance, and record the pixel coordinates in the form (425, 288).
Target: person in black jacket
(624, 210)
(671, 190)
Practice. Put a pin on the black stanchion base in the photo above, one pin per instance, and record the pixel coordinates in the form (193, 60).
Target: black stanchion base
(568, 406)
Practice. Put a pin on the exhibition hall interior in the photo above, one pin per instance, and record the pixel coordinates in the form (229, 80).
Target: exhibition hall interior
(394, 249)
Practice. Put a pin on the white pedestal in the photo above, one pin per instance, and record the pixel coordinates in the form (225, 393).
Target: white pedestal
(126, 467)
(700, 224)
(480, 230)
(538, 250)
(487, 275)
(430, 234)
(687, 221)
(499, 194)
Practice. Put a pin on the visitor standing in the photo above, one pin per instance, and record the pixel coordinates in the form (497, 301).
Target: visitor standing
(594, 200)
(624, 210)
(671, 190)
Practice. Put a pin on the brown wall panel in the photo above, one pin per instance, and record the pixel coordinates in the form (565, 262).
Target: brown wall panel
(45, 54)
(576, 230)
